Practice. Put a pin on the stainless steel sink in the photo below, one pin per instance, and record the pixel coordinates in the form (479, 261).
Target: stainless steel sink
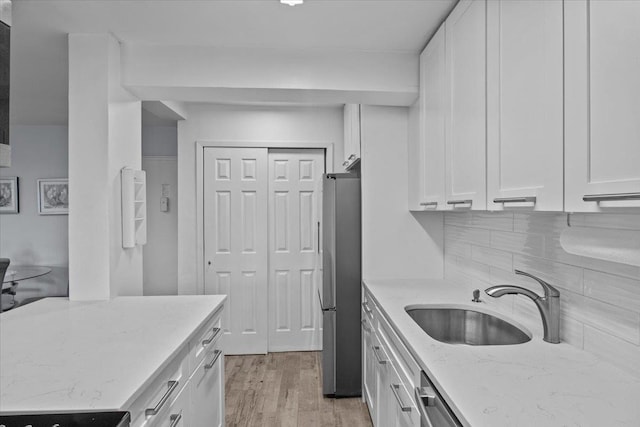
(466, 326)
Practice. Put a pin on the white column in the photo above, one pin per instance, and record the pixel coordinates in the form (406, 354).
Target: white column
(104, 136)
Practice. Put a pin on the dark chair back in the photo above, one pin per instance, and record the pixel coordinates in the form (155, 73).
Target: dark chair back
(4, 265)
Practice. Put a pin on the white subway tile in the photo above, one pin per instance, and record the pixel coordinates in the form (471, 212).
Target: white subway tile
(615, 290)
(529, 244)
(456, 247)
(560, 275)
(613, 350)
(555, 252)
(460, 219)
(617, 321)
(607, 220)
(477, 236)
(572, 332)
(539, 223)
(492, 257)
(493, 220)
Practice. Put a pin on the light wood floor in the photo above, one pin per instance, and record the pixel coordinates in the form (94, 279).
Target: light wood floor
(285, 389)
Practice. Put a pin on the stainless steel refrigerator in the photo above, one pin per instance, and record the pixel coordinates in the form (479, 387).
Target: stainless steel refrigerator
(340, 295)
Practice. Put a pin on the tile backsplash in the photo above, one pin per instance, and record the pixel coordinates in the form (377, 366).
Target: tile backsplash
(600, 300)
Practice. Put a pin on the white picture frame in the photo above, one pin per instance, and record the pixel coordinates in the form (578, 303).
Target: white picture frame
(10, 195)
(53, 196)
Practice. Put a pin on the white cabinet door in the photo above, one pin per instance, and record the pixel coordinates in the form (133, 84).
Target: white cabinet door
(433, 104)
(207, 391)
(403, 409)
(236, 250)
(351, 134)
(602, 103)
(525, 104)
(385, 412)
(369, 366)
(466, 114)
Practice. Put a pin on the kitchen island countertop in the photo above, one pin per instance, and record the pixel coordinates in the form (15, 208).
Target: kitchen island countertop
(531, 384)
(58, 355)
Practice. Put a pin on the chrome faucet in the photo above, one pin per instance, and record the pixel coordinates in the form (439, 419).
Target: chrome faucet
(549, 305)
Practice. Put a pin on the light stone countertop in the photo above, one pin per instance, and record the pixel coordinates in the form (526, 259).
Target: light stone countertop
(531, 384)
(57, 355)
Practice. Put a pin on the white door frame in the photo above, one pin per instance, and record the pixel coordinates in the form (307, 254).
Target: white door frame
(200, 146)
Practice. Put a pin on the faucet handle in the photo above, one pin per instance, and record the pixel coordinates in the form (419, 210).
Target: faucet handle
(549, 291)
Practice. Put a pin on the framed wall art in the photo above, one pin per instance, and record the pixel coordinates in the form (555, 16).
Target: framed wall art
(9, 195)
(53, 196)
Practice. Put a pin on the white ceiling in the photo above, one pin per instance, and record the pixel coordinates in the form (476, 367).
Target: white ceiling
(39, 46)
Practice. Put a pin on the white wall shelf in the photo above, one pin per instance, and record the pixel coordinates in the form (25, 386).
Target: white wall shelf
(134, 207)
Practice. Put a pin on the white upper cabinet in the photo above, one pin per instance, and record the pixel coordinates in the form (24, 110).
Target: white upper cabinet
(466, 115)
(602, 104)
(432, 107)
(351, 135)
(524, 105)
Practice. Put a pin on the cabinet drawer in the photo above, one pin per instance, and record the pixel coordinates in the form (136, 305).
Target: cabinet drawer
(368, 305)
(174, 415)
(207, 389)
(406, 365)
(205, 339)
(159, 395)
(403, 404)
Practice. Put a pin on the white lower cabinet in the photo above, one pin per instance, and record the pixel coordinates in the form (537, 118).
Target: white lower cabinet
(368, 364)
(189, 392)
(207, 392)
(387, 375)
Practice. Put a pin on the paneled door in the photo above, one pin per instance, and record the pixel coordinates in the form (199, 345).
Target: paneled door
(295, 198)
(236, 251)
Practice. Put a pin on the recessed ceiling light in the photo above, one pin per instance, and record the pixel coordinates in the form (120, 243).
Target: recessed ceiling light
(291, 2)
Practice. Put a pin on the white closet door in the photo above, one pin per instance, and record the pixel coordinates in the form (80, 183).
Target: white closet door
(236, 252)
(295, 197)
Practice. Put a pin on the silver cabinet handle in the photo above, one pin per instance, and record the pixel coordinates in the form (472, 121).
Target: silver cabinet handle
(429, 204)
(403, 407)
(530, 199)
(365, 306)
(351, 157)
(364, 325)
(345, 163)
(375, 351)
(460, 202)
(611, 197)
(175, 419)
(216, 332)
(153, 411)
(318, 236)
(216, 356)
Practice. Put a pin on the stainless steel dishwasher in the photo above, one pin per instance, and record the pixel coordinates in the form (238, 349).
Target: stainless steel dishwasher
(434, 411)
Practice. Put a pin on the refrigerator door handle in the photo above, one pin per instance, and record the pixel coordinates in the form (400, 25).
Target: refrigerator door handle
(322, 307)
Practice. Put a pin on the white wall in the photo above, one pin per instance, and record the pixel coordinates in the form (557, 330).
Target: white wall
(249, 74)
(160, 258)
(159, 140)
(238, 124)
(125, 135)
(29, 238)
(395, 242)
